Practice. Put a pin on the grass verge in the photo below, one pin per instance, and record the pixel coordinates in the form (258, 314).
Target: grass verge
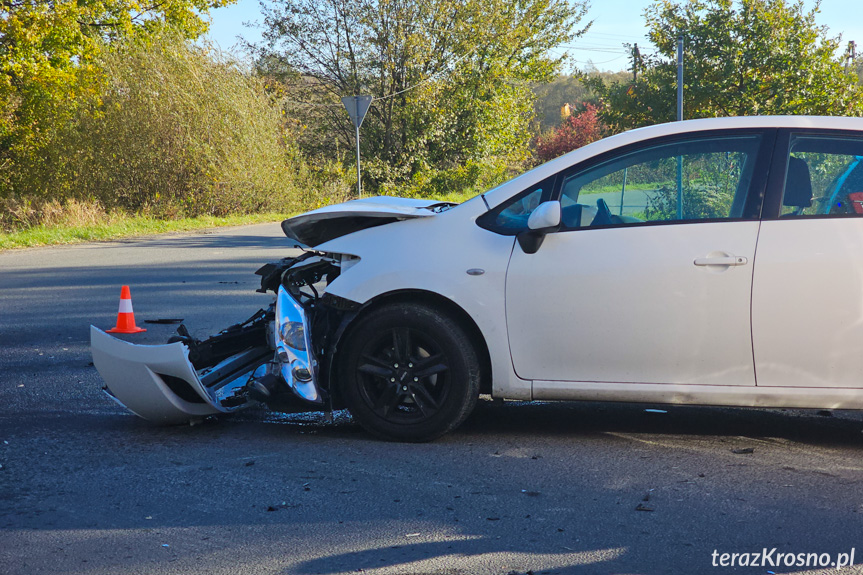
(123, 228)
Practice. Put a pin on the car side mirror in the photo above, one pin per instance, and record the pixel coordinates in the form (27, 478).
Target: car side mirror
(544, 219)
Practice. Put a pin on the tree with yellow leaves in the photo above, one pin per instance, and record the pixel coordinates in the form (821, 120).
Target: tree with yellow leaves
(47, 67)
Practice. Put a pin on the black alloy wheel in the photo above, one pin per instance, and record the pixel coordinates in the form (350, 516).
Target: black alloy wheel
(409, 373)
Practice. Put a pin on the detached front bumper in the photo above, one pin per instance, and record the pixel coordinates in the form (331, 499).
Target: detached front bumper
(160, 383)
(156, 382)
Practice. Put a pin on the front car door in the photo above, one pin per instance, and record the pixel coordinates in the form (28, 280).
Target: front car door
(649, 278)
(807, 300)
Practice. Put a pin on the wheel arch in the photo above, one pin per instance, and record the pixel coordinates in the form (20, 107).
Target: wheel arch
(437, 302)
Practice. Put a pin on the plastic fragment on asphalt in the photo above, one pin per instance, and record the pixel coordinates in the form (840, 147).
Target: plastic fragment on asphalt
(655, 411)
(165, 545)
(643, 507)
(413, 535)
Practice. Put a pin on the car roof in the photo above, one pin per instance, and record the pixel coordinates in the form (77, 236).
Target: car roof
(507, 189)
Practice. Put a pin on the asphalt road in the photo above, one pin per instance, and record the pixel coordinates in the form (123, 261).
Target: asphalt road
(86, 488)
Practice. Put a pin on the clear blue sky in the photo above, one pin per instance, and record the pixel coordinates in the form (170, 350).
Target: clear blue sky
(614, 22)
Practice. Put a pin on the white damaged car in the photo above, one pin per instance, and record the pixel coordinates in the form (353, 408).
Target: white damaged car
(711, 262)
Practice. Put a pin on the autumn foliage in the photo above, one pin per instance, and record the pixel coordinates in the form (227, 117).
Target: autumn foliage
(573, 132)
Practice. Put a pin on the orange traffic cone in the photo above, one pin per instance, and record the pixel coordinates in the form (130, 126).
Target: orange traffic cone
(126, 317)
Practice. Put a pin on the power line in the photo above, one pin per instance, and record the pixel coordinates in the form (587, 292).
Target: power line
(609, 34)
(603, 62)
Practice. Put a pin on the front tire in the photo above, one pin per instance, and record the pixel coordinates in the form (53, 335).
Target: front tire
(409, 373)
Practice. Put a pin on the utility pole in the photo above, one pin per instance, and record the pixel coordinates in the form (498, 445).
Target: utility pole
(357, 106)
(680, 77)
(680, 118)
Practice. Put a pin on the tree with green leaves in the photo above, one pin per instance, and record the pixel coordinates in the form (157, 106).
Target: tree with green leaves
(450, 80)
(47, 52)
(741, 58)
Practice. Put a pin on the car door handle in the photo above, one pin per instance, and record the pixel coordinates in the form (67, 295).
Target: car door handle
(722, 261)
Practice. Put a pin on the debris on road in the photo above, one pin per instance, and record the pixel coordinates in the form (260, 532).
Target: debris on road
(655, 411)
(743, 450)
(643, 507)
(282, 505)
(164, 320)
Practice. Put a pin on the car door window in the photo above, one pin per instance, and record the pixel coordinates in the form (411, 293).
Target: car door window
(824, 176)
(511, 217)
(692, 180)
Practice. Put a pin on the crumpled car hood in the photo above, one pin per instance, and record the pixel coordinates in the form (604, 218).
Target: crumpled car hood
(324, 224)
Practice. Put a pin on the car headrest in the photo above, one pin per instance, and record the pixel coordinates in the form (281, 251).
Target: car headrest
(798, 184)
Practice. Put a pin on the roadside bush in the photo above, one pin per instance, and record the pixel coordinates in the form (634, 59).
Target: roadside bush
(456, 183)
(573, 132)
(177, 130)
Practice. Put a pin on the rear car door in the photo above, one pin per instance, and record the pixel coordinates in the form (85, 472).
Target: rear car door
(807, 299)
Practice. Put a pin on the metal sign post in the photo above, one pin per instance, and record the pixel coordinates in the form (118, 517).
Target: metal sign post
(680, 118)
(357, 106)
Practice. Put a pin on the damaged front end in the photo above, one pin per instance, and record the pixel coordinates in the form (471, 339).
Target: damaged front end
(271, 359)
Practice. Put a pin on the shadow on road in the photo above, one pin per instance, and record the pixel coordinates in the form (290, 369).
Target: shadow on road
(586, 418)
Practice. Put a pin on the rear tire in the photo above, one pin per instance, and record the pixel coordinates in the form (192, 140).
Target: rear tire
(408, 373)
